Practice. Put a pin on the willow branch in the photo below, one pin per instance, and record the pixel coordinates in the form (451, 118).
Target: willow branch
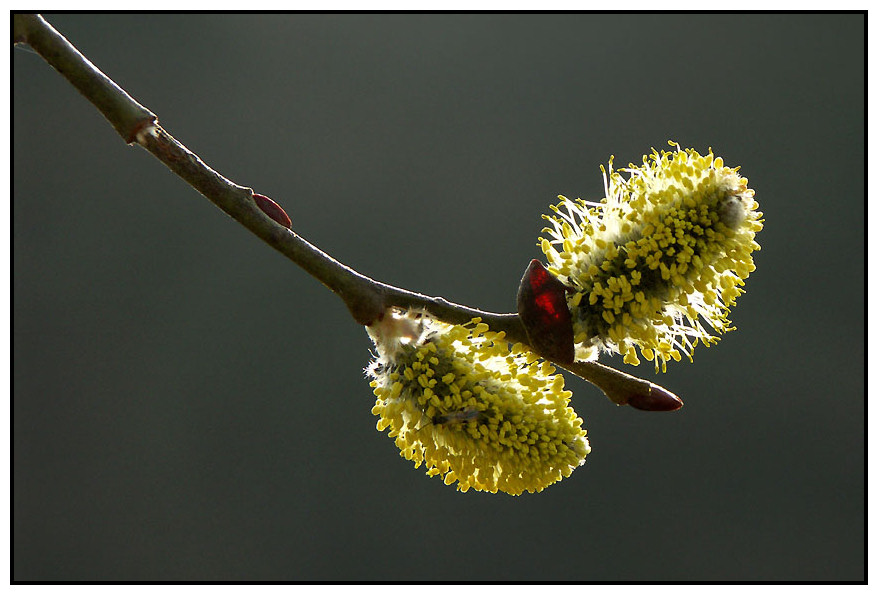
(365, 298)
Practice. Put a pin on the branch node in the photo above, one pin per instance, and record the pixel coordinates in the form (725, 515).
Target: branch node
(142, 128)
(365, 307)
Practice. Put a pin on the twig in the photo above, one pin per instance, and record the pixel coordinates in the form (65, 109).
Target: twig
(366, 298)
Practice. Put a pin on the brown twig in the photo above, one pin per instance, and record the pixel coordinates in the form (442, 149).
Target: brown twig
(366, 298)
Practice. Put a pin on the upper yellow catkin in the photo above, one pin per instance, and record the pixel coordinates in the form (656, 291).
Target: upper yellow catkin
(459, 400)
(670, 245)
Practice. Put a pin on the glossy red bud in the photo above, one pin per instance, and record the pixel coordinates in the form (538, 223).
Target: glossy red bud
(542, 307)
(273, 210)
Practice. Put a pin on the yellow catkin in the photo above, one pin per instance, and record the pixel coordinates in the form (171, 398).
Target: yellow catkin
(498, 420)
(667, 248)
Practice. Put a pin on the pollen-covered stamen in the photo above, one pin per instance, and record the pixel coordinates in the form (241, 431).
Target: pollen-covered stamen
(667, 247)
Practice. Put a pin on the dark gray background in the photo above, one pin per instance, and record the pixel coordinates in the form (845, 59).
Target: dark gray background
(190, 405)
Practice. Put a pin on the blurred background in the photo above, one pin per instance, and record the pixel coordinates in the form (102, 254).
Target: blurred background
(189, 405)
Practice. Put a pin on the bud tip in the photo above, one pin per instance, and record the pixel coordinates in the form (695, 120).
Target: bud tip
(655, 398)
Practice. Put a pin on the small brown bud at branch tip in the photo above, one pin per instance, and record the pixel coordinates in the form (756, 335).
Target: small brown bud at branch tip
(655, 398)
